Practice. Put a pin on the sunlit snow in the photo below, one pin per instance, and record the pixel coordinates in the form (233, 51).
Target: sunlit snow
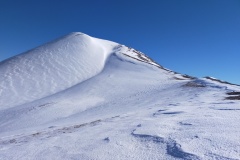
(81, 97)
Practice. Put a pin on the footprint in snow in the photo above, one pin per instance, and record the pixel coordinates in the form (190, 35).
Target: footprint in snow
(139, 125)
(159, 112)
(106, 139)
(185, 124)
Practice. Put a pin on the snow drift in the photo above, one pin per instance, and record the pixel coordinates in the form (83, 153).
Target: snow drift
(51, 68)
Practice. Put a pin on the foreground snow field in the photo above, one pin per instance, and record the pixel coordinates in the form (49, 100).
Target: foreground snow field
(81, 97)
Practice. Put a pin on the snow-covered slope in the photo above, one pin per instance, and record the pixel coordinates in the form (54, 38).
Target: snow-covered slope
(51, 68)
(80, 97)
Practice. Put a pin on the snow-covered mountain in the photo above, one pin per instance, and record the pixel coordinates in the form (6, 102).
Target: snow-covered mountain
(80, 97)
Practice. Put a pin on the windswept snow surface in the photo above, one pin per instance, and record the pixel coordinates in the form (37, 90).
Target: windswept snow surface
(84, 98)
(51, 68)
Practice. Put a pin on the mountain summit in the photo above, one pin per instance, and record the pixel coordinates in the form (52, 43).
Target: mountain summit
(80, 97)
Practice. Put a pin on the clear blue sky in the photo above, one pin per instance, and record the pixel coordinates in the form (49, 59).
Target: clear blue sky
(196, 37)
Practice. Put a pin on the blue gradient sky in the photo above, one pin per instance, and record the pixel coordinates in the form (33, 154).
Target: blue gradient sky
(196, 37)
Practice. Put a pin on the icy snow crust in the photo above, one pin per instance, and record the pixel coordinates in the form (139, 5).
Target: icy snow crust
(84, 98)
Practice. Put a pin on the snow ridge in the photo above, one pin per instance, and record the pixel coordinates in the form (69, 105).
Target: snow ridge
(51, 68)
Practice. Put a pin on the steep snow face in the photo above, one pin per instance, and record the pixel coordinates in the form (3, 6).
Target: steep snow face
(51, 68)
